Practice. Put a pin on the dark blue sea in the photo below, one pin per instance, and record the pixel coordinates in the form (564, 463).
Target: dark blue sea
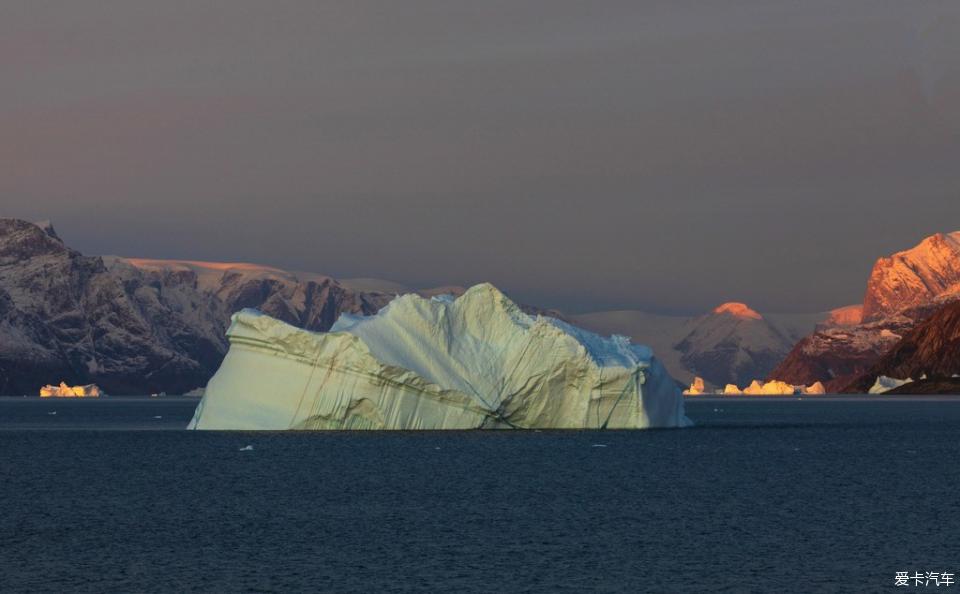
(770, 495)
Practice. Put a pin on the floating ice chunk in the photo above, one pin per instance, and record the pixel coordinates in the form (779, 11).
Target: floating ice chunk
(771, 388)
(885, 384)
(246, 448)
(696, 388)
(65, 391)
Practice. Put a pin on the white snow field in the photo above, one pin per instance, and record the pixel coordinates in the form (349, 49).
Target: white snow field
(475, 362)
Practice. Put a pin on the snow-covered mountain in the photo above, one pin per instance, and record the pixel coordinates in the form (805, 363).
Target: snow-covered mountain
(308, 300)
(731, 344)
(903, 289)
(137, 326)
(65, 316)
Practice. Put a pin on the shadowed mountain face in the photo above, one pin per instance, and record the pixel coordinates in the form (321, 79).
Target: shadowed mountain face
(135, 329)
(835, 354)
(931, 349)
(66, 316)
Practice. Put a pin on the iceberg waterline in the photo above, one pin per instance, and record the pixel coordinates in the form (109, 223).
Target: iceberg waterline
(473, 362)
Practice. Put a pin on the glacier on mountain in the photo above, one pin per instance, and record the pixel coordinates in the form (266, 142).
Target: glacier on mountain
(474, 362)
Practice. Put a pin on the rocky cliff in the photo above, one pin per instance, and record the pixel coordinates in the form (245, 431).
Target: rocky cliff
(135, 326)
(138, 326)
(931, 349)
(914, 278)
(65, 316)
(903, 290)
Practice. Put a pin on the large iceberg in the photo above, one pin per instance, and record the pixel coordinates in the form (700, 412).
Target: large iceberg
(475, 362)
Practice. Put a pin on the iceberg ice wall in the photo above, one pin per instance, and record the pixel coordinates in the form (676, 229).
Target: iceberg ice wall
(474, 362)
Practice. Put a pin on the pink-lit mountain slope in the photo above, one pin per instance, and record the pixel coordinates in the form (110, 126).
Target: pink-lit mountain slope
(903, 290)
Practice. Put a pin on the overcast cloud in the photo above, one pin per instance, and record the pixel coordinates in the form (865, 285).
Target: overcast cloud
(665, 156)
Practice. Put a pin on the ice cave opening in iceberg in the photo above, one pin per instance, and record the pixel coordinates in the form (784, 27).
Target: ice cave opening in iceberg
(474, 362)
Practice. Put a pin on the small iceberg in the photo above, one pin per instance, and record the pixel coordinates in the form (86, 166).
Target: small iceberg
(885, 384)
(770, 388)
(697, 387)
(246, 448)
(65, 391)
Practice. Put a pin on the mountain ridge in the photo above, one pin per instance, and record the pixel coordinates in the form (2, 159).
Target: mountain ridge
(135, 325)
(902, 291)
(914, 277)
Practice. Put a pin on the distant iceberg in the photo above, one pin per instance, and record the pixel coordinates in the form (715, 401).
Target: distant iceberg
(697, 387)
(885, 384)
(770, 388)
(65, 391)
(475, 362)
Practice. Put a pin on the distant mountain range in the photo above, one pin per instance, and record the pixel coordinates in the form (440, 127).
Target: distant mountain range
(140, 326)
(731, 344)
(137, 326)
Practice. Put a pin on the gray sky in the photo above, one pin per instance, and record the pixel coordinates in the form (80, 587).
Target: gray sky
(659, 155)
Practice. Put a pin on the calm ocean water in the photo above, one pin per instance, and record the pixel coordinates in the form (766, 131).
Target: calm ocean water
(771, 495)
